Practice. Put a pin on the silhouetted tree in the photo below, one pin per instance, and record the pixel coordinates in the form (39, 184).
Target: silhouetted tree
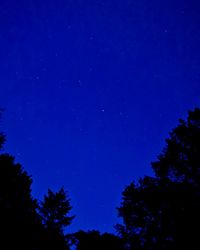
(180, 159)
(54, 213)
(24, 224)
(162, 212)
(20, 225)
(93, 240)
(18, 218)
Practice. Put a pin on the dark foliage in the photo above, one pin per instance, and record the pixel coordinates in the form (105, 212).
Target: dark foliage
(18, 215)
(93, 240)
(159, 213)
(54, 213)
(24, 224)
(162, 212)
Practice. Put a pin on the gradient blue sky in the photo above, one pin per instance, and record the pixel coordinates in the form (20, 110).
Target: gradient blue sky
(91, 89)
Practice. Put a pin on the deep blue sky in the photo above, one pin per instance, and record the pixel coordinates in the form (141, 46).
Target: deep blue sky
(91, 90)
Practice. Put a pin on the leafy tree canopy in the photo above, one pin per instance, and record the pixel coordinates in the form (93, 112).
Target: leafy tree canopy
(162, 212)
(25, 223)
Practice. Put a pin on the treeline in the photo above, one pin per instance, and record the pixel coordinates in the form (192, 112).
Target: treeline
(160, 212)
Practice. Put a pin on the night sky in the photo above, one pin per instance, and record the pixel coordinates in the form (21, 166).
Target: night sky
(91, 89)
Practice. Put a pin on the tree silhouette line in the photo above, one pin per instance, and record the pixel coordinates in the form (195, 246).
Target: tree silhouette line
(160, 212)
